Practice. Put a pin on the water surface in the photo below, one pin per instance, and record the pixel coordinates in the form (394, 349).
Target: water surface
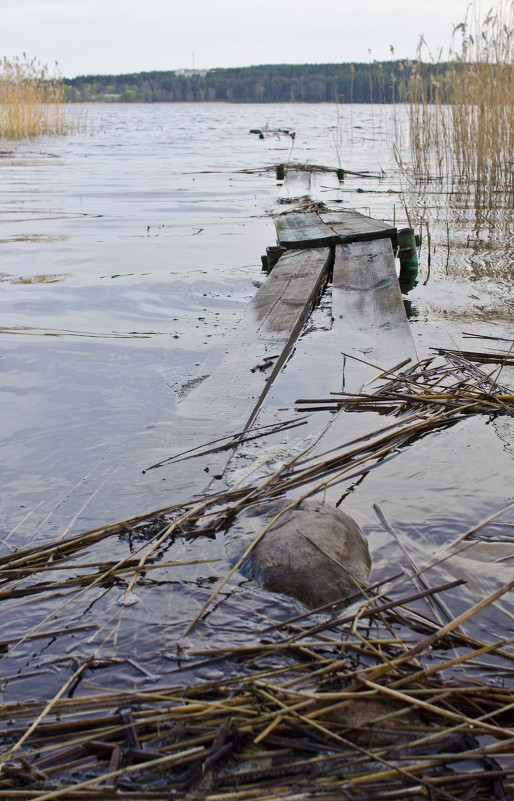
(129, 250)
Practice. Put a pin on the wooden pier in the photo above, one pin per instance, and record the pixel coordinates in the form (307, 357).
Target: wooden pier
(354, 254)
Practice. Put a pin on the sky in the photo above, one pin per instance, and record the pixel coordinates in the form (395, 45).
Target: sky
(119, 36)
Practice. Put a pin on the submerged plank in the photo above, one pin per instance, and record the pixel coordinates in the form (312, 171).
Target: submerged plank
(307, 182)
(368, 310)
(257, 349)
(369, 325)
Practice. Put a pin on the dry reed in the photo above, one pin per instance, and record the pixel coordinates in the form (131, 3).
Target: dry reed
(461, 110)
(349, 708)
(381, 701)
(31, 99)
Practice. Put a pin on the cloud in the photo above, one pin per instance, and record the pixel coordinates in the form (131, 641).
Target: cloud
(60, 10)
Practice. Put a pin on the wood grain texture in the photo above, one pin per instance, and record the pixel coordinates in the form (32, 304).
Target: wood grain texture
(351, 226)
(296, 231)
(304, 230)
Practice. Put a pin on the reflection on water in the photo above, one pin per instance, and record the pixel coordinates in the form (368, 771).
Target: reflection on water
(33, 279)
(67, 333)
(35, 238)
(126, 260)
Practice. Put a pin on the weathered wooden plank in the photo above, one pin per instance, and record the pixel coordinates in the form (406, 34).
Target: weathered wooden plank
(368, 311)
(369, 322)
(257, 349)
(297, 231)
(351, 226)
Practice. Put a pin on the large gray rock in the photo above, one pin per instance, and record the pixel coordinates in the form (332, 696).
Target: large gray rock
(313, 552)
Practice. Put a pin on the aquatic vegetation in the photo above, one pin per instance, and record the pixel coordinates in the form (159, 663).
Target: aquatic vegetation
(402, 695)
(31, 99)
(461, 119)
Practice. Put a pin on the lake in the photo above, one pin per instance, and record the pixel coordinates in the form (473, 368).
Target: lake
(129, 249)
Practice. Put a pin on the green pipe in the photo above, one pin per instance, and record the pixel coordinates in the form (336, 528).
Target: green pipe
(408, 256)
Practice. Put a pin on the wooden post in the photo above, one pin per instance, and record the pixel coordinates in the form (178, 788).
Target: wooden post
(408, 259)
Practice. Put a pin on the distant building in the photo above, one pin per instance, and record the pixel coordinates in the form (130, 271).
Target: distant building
(190, 73)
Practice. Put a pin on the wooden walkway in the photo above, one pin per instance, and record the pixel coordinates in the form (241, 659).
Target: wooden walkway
(355, 252)
(257, 349)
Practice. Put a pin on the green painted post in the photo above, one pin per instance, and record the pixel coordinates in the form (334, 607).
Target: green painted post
(408, 259)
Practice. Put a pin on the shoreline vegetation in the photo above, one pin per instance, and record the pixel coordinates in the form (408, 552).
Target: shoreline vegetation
(32, 99)
(481, 63)
(461, 119)
(406, 694)
(396, 697)
(268, 83)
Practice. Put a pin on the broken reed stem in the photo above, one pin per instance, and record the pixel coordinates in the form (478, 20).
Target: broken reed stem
(99, 580)
(417, 576)
(428, 642)
(373, 448)
(231, 441)
(181, 758)
(239, 563)
(46, 711)
(257, 704)
(461, 112)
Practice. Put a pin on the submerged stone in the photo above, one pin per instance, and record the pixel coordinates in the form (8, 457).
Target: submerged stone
(312, 552)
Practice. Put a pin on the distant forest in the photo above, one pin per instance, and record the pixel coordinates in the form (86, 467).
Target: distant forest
(376, 82)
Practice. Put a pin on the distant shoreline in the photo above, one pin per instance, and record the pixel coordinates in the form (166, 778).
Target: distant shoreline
(376, 82)
(100, 102)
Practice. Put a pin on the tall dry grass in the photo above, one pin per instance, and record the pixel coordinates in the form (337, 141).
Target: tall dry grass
(31, 99)
(461, 117)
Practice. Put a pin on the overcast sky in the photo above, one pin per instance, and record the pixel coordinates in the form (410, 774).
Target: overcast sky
(116, 36)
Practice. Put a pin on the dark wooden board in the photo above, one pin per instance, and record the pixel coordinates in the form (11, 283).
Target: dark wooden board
(351, 226)
(231, 396)
(299, 230)
(296, 231)
(368, 322)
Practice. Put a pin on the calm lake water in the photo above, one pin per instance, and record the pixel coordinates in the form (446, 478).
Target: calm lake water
(129, 249)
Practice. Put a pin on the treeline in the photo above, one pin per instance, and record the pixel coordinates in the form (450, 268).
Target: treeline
(377, 82)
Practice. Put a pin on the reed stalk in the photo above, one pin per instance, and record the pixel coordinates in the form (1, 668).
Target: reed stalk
(461, 110)
(381, 701)
(32, 99)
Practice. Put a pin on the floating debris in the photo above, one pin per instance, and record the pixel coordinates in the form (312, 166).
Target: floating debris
(389, 698)
(128, 599)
